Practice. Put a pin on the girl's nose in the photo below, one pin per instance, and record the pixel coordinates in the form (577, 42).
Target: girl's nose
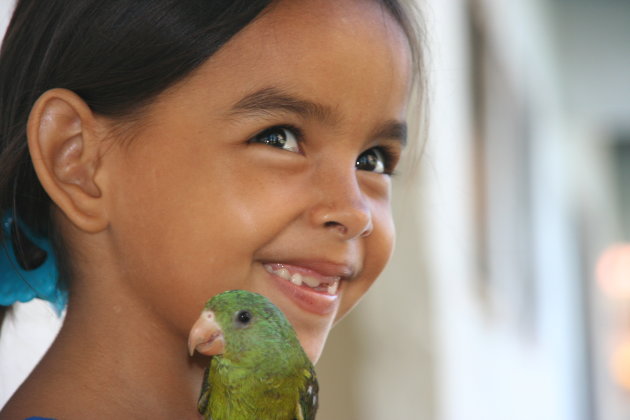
(343, 209)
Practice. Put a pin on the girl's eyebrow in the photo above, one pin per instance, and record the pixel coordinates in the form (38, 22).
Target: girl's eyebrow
(267, 100)
(393, 130)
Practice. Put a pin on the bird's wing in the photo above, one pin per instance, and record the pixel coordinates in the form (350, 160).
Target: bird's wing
(206, 388)
(308, 403)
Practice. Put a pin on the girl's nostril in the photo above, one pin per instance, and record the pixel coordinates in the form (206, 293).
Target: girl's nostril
(339, 226)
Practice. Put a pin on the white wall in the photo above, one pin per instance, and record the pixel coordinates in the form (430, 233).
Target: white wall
(5, 14)
(595, 62)
(488, 368)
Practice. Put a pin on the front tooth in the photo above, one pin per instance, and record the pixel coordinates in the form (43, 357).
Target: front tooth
(310, 281)
(332, 289)
(296, 279)
(284, 273)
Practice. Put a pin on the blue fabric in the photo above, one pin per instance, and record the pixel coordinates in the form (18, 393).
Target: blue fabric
(19, 285)
(40, 418)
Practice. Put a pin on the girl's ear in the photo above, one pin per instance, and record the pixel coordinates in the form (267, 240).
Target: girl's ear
(64, 142)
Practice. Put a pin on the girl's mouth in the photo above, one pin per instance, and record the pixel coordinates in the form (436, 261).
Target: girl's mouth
(319, 283)
(311, 290)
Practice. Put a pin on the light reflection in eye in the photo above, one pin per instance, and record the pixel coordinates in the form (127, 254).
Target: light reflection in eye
(279, 137)
(372, 160)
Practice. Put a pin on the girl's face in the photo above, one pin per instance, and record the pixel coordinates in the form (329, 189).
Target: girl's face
(267, 168)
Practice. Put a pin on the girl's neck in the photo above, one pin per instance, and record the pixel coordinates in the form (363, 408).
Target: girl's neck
(113, 361)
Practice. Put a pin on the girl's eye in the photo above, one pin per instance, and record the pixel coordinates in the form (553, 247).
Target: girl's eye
(280, 137)
(373, 160)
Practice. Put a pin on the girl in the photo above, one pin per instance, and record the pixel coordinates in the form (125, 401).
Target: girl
(171, 150)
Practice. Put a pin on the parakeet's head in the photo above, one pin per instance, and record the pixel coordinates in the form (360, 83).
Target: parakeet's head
(238, 321)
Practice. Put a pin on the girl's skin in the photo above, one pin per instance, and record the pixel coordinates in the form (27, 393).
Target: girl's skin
(165, 210)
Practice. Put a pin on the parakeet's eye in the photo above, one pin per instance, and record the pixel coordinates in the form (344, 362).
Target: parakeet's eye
(243, 318)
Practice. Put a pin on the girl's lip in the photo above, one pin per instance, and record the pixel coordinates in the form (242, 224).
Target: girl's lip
(311, 300)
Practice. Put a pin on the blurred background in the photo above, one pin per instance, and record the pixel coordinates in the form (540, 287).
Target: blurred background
(508, 296)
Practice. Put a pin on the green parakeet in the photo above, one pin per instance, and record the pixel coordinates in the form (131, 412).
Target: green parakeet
(258, 369)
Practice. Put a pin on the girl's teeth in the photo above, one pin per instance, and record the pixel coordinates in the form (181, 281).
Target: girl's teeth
(296, 279)
(284, 273)
(310, 281)
(332, 289)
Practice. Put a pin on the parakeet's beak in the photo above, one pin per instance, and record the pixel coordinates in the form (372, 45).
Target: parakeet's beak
(206, 335)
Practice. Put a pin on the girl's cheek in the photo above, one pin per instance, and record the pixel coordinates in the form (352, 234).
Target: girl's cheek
(378, 248)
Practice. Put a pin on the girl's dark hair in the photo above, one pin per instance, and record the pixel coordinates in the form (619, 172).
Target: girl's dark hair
(117, 55)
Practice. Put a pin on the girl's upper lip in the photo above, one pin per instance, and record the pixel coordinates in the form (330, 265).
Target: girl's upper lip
(321, 267)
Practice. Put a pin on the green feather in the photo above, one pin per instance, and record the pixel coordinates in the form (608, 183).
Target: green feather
(263, 373)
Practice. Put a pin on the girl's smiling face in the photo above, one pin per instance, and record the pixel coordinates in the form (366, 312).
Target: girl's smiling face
(268, 167)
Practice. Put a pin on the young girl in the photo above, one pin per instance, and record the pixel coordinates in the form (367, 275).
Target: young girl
(171, 150)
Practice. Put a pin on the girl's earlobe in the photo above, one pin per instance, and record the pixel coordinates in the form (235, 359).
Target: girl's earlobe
(64, 143)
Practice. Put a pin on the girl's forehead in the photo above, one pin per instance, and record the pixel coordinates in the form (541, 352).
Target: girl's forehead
(305, 27)
(323, 49)
(310, 22)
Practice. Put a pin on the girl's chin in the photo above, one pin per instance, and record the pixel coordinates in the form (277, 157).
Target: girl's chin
(313, 345)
